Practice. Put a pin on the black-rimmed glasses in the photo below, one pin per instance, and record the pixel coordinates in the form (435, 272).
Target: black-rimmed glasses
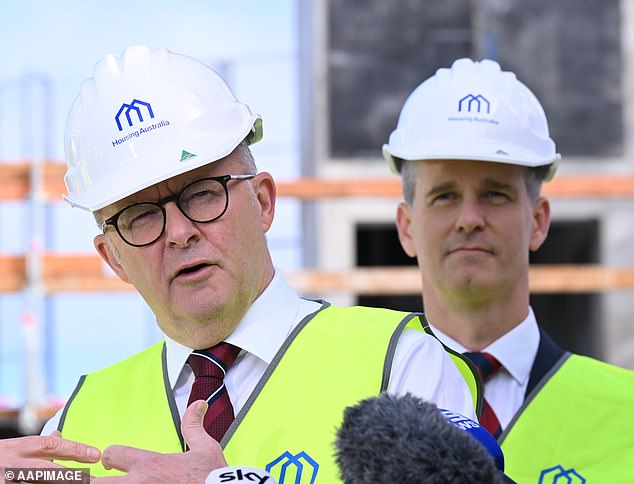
(201, 201)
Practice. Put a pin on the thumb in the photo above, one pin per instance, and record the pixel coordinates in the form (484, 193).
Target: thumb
(194, 433)
(193, 417)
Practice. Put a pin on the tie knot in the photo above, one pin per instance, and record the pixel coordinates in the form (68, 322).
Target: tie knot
(214, 361)
(486, 363)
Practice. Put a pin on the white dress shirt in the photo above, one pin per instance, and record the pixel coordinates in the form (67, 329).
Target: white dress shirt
(420, 365)
(516, 351)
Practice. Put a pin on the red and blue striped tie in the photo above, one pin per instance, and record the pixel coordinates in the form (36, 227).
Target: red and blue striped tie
(487, 366)
(210, 367)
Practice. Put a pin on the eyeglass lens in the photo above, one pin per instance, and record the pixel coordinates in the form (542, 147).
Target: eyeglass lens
(202, 201)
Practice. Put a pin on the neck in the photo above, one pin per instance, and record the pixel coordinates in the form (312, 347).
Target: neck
(476, 322)
(208, 328)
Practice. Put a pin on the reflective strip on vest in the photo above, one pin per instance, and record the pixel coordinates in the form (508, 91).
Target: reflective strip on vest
(575, 427)
(467, 369)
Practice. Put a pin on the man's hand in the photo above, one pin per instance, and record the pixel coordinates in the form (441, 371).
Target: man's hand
(38, 451)
(143, 466)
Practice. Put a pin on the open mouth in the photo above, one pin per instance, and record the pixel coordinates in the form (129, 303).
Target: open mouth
(192, 269)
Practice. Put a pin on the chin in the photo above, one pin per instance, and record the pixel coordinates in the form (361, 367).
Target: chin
(196, 330)
(471, 283)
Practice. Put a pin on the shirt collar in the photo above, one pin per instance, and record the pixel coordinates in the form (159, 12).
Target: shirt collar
(515, 350)
(261, 332)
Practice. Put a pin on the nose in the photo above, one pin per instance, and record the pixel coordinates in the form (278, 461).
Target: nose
(470, 217)
(180, 232)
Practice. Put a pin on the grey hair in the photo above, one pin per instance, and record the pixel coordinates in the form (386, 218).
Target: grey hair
(408, 180)
(243, 153)
(533, 177)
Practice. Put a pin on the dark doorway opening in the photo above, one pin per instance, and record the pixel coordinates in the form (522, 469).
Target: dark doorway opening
(573, 320)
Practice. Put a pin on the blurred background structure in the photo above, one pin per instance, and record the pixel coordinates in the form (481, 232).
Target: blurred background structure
(329, 78)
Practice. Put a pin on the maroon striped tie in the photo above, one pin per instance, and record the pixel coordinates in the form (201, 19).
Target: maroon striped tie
(210, 367)
(487, 366)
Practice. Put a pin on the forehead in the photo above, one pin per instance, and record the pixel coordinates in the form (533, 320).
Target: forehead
(225, 166)
(467, 172)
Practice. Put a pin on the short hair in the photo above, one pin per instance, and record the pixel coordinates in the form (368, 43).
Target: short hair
(243, 154)
(408, 180)
(533, 178)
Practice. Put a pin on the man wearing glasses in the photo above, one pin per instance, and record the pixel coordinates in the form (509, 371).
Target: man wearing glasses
(158, 150)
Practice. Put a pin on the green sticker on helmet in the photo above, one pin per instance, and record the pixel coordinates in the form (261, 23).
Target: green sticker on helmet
(186, 155)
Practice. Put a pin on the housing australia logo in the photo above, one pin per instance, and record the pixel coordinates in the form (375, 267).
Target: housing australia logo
(474, 108)
(136, 113)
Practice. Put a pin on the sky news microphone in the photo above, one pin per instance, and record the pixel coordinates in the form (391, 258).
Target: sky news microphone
(479, 433)
(389, 439)
(239, 475)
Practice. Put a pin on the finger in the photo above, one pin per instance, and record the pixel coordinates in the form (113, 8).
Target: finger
(124, 458)
(54, 447)
(197, 439)
(192, 428)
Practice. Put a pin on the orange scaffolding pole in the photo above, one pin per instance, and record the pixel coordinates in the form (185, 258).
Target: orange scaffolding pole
(14, 185)
(84, 272)
(88, 273)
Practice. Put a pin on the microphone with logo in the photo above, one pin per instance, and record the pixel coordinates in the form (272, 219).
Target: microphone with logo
(239, 474)
(479, 433)
(390, 439)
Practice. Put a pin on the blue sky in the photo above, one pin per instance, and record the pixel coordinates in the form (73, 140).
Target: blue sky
(62, 41)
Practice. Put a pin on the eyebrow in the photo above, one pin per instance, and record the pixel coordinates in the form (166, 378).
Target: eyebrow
(490, 183)
(487, 184)
(441, 188)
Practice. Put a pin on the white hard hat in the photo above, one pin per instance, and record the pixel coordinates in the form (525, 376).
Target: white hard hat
(145, 117)
(472, 111)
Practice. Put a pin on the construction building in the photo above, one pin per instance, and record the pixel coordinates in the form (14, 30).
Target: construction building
(351, 67)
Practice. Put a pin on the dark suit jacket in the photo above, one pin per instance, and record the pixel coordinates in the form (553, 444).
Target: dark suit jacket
(548, 353)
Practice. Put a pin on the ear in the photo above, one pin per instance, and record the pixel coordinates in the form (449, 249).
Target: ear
(404, 228)
(265, 192)
(110, 256)
(541, 223)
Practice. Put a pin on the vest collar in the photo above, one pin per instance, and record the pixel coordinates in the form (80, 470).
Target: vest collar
(516, 349)
(265, 326)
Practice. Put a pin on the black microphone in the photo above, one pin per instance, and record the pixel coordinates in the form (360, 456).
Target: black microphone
(389, 439)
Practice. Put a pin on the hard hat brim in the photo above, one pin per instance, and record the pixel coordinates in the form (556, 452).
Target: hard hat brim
(489, 152)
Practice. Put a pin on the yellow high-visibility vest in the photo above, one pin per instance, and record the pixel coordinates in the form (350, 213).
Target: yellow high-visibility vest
(331, 360)
(576, 427)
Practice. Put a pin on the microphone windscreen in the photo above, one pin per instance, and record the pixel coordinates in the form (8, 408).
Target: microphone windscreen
(479, 433)
(389, 439)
